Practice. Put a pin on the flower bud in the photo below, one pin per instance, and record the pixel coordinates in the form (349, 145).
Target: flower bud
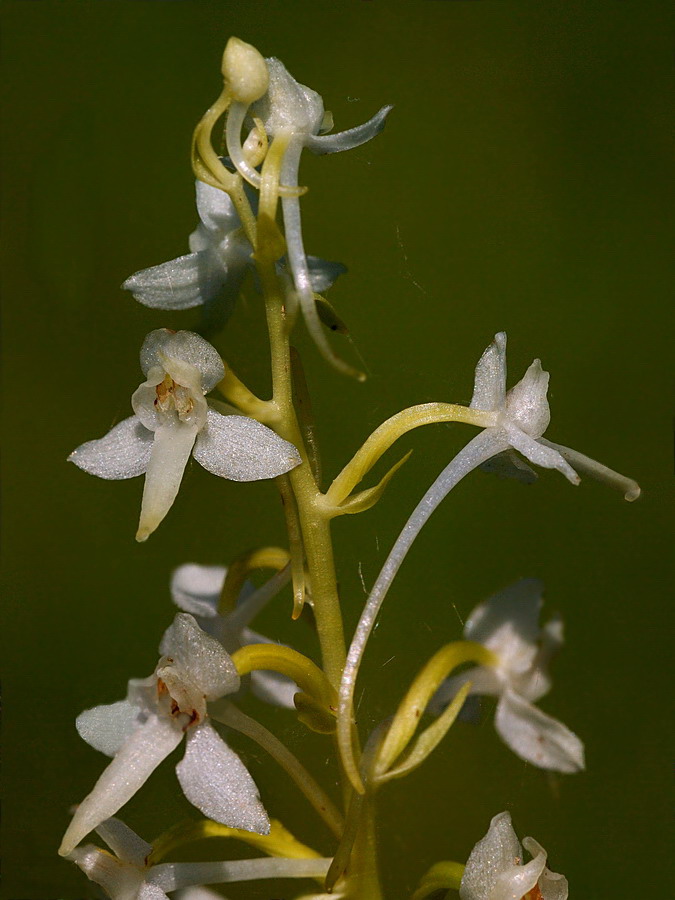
(245, 71)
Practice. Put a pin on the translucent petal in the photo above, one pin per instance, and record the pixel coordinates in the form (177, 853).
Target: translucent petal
(552, 885)
(288, 105)
(196, 589)
(215, 208)
(489, 387)
(519, 880)
(120, 881)
(124, 842)
(526, 403)
(171, 450)
(508, 624)
(217, 782)
(188, 348)
(538, 454)
(537, 737)
(242, 449)
(323, 274)
(181, 283)
(108, 726)
(498, 851)
(151, 892)
(270, 687)
(200, 656)
(129, 770)
(352, 137)
(124, 452)
(483, 681)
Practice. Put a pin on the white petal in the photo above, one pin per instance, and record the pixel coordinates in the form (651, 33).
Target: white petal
(186, 347)
(508, 624)
(119, 881)
(588, 466)
(196, 589)
(216, 209)
(519, 880)
(489, 387)
(108, 726)
(129, 770)
(526, 403)
(538, 454)
(536, 737)
(124, 452)
(495, 853)
(483, 680)
(202, 658)
(242, 449)
(171, 450)
(151, 892)
(552, 885)
(288, 105)
(124, 842)
(323, 274)
(217, 782)
(181, 283)
(353, 137)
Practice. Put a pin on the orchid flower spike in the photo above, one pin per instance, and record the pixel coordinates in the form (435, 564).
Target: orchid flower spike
(508, 625)
(212, 274)
(495, 869)
(158, 713)
(514, 420)
(173, 421)
(196, 589)
(294, 114)
(126, 873)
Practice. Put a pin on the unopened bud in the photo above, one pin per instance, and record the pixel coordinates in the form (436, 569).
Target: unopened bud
(245, 71)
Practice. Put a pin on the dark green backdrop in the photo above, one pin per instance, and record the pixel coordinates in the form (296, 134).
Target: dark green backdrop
(521, 184)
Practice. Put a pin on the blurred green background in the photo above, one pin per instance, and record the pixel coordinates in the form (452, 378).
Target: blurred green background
(523, 183)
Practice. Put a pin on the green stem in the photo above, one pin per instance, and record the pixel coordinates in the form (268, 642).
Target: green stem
(314, 523)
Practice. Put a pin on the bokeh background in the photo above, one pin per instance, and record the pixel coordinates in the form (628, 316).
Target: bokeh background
(522, 183)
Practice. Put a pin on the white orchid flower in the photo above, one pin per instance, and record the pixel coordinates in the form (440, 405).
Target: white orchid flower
(508, 625)
(294, 112)
(196, 589)
(213, 272)
(126, 873)
(173, 421)
(158, 713)
(513, 420)
(495, 869)
(522, 416)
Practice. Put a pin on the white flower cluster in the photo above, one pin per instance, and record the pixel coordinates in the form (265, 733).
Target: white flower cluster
(196, 678)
